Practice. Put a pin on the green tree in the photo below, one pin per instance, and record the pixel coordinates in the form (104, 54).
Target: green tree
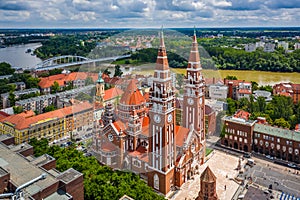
(231, 106)
(228, 77)
(281, 122)
(118, 71)
(55, 87)
(49, 108)
(11, 98)
(261, 104)
(17, 109)
(107, 72)
(6, 69)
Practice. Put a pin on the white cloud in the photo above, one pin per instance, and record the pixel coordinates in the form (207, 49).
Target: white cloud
(151, 13)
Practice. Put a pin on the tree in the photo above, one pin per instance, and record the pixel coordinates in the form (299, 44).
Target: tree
(118, 71)
(100, 182)
(11, 98)
(261, 104)
(17, 109)
(55, 87)
(254, 85)
(49, 108)
(281, 122)
(6, 69)
(107, 72)
(231, 77)
(89, 81)
(231, 106)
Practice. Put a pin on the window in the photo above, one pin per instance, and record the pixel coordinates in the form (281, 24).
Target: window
(156, 181)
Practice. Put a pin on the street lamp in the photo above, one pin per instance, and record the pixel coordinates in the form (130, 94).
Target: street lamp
(17, 194)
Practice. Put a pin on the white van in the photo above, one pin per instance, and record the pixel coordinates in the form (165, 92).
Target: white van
(250, 162)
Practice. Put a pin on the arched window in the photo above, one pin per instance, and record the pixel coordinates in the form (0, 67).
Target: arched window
(156, 182)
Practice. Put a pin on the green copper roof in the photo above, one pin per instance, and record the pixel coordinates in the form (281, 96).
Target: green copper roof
(278, 132)
(100, 80)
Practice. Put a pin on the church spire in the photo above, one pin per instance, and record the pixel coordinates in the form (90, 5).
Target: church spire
(162, 60)
(194, 59)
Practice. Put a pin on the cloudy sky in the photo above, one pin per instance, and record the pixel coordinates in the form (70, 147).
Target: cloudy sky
(148, 13)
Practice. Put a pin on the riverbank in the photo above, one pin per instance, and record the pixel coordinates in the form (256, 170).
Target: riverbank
(17, 57)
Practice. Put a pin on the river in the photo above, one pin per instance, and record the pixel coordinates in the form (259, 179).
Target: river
(16, 56)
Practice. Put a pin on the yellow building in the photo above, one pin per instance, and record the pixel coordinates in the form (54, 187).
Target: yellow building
(52, 125)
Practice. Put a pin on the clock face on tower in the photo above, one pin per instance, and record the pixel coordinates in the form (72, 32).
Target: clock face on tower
(190, 101)
(110, 137)
(170, 118)
(157, 118)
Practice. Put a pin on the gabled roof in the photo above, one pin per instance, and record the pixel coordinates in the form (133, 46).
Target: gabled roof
(208, 175)
(62, 79)
(112, 93)
(132, 95)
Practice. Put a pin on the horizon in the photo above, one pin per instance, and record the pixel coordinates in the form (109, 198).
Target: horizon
(148, 13)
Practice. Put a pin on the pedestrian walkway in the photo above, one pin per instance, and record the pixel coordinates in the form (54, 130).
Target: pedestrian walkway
(285, 196)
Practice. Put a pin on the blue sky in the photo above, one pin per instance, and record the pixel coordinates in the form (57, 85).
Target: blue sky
(147, 13)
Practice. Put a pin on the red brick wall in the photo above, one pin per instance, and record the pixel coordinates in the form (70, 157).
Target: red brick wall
(4, 181)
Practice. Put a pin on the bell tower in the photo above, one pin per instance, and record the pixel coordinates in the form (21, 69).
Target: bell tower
(100, 92)
(162, 149)
(194, 93)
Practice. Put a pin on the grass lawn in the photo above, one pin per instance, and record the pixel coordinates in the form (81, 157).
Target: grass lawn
(208, 151)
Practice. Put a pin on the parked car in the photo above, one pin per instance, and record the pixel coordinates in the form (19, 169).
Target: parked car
(292, 165)
(270, 157)
(247, 155)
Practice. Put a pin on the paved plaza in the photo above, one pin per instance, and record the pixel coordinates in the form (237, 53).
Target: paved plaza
(224, 167)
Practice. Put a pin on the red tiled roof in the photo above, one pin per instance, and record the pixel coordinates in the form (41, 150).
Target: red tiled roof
(245, 91)
(62, 79)
(242, 114)
(26, 119)
(235, 82)
(112, 93)
(140, 153)
(181, 135)
(132, 95)
(119, 125)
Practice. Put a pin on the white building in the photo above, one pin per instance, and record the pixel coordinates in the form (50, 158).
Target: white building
(284, 45)
(297, 46)
(250, 47)
(218, 91)
(269, 47)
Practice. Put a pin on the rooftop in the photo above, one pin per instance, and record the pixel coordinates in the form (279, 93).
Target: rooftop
(59, 195)
(21, 171)
(28, 118)
(278, 132)
(208, 175)
(69, 175)
(18, 93)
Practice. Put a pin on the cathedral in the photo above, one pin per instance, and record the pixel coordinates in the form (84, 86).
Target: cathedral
(143, 137)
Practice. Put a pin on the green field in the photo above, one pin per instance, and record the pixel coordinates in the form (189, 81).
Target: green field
(261, 77)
